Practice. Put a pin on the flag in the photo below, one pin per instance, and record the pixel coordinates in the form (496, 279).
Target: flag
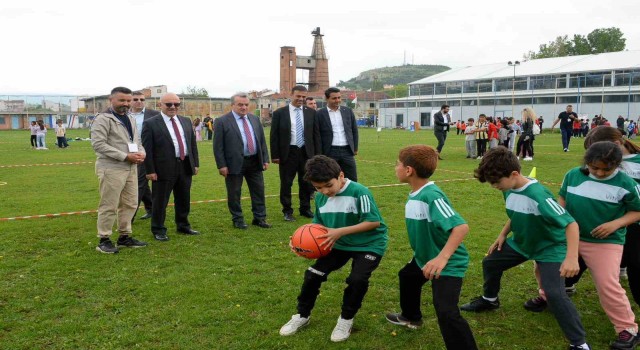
(355, 100)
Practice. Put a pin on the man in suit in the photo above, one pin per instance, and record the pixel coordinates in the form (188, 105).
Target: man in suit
(240, 150)
(295, 137)
(172, 160)
(119, 151)
(140, 113)
(311, 103)
(339, 133)
(442, 121)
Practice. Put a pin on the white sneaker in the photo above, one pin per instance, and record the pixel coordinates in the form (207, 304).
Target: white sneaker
(623, 273)
(528, 158)
(296, 322)
(342, 331)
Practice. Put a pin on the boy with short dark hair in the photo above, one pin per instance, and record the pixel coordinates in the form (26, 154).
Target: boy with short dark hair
(356, 232)
(435, 233)
(542, 231)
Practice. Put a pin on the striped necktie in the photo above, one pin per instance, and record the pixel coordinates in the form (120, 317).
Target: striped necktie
(299, 128)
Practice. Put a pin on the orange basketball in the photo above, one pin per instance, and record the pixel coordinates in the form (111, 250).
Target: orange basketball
(305, 242)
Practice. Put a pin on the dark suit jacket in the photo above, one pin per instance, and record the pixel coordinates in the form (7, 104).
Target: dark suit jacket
(326, 131)
(281, 133)
(228, 146)
(439, 124)
(161, 154)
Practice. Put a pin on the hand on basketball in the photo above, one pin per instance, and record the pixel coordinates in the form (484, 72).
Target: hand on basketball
(569, 268)
(434, 267)
(331, 236)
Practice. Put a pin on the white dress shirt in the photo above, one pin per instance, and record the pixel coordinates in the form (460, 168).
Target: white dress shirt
(139, 118)
(169, 124)
(339, 135)
(292, 117)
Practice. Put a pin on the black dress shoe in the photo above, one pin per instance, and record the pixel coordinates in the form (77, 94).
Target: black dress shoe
(289, 217)
(146, 216)
(240, 224)
(189, 232)
(307, 213)
(261, 223)
(161, 236)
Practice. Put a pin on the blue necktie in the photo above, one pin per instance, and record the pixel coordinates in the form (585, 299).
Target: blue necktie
(299, 129)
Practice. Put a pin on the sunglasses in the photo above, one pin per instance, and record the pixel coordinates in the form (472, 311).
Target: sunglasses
(138, 99)
(169, 105)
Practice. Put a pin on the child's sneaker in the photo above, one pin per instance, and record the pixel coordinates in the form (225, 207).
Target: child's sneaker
(296, 322)
(107, 247)
(480, 304)
(537, 304)
(623, 273)
(342, 331)
(579, 347)
(130, 242)
(571, 290)
(625, 341)
(397, 318)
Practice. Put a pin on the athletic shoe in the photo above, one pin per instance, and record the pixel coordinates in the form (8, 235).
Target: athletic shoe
(537, 304)
(130, 242)
(479, 157)
(625, 341)
(480, 304)
(107, 247)
(579, 347)
(623, 273)
(296, 322)
(571, 290)
(342, 331)
(527, 159)
(397, 318)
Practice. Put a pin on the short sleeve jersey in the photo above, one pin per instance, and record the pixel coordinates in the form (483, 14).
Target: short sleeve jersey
(565, 120)
(631, 166)
(430, 218)
(538, 223)
(352, 205)
(595, 201)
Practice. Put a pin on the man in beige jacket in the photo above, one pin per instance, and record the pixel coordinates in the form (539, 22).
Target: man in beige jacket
(117, 145)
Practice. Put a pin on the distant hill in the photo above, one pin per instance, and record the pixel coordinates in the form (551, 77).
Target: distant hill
(391, 75)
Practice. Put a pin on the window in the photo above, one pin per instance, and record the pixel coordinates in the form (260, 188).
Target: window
(543, 82)
(567, 99)
(543, 100)
(425, 104)
(475, 86)
(627, 77)
(592, 99)
(2, 120)
(159, 91)
(440, 89)
(469, 102)
(487, 102)
(508, 84)
(454, 87)
(372, 105)
(616, 98)
(421, 90)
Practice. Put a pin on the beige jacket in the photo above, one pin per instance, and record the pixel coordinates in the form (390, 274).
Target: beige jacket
(110, 140)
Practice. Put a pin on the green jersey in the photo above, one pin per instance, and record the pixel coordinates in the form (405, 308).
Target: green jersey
(594, 201)
(631, 166)
(352, 205)
(430, 219)
(538, 223)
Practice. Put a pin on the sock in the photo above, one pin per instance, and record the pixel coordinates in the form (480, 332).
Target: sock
(490, 299)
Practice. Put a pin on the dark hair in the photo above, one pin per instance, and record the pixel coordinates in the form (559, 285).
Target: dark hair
(298, 88)
(444, 106)
(120, 89)
(496, 164)
(137, 93)
(570, 106)
(602, 151)
(308, 98)
(329, 91)
(422, 158)
(482, 115)
(609, 133)
(471, 120)
(505, 123)
(321, 169)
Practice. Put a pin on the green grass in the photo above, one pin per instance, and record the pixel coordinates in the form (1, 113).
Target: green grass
(231, 289)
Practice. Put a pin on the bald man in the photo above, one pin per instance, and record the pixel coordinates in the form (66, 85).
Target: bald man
(171, 162)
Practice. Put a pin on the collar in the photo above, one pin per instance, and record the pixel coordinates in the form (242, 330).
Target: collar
(531, 182)
(331, 110)
(167, 118)
(414, 193)
(615, 172)
(136, 113)
(346, 184)
(294, 107)
(238, 116)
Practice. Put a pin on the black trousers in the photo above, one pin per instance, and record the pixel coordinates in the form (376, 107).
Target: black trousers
(294, 165)
(524, 146)
(180, 185)
(144, 192)
(441, 136)
(362, 265)
(33, 141)
(560, 305)
(252, 172)
(346, 160)
(445, 290)
(481, 146)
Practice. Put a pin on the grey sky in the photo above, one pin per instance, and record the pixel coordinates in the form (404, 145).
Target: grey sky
(88, 47)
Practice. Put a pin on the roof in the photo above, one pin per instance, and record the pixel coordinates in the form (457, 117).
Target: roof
(544, 66)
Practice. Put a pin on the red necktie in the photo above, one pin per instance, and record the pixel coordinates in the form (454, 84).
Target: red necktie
(247, 132)
(179, 137)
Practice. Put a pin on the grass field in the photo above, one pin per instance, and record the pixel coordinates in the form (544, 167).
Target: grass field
(232, 289)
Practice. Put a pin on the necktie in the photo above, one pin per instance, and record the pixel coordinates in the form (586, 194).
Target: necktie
(299, 128)
(250, 147)
(178, 136)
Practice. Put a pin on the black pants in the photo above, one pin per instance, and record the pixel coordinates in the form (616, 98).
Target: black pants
(294, 165)
(209, 134)
(144, 192)
(33, 141)
(441, 136)
(346, 160)
(180, 185)
(560, 305)
(62, 141)
(362, 265)
(524, 146)
(252, 172)
(446, 295)
(481, 145)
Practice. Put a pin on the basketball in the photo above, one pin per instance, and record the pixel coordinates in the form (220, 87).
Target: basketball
(305, 243)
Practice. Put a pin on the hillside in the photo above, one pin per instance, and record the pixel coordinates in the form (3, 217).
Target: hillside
(391, 75)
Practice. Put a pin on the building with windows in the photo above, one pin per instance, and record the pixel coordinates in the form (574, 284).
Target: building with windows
(607, 84)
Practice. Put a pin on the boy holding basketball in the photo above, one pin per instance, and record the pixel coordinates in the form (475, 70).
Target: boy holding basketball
(356, 232)
(435, 233)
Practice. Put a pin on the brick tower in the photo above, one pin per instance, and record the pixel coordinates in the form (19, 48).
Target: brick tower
(317, 64)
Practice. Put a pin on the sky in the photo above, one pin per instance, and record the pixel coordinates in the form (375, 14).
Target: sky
(70, 47)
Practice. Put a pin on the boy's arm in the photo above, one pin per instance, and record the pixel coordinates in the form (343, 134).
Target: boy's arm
(334, 234)
(501, 238)
(434, 267)
(570, 266)
(604, 230)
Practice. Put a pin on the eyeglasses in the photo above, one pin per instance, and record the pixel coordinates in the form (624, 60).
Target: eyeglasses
(169, 105)
(138, 99)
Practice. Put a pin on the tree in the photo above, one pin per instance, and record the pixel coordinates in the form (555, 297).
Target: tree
(606, 40)
(195, 91)
(580, 45)
(598, 41)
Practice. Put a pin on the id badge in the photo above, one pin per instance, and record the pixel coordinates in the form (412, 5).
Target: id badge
(133, 147)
